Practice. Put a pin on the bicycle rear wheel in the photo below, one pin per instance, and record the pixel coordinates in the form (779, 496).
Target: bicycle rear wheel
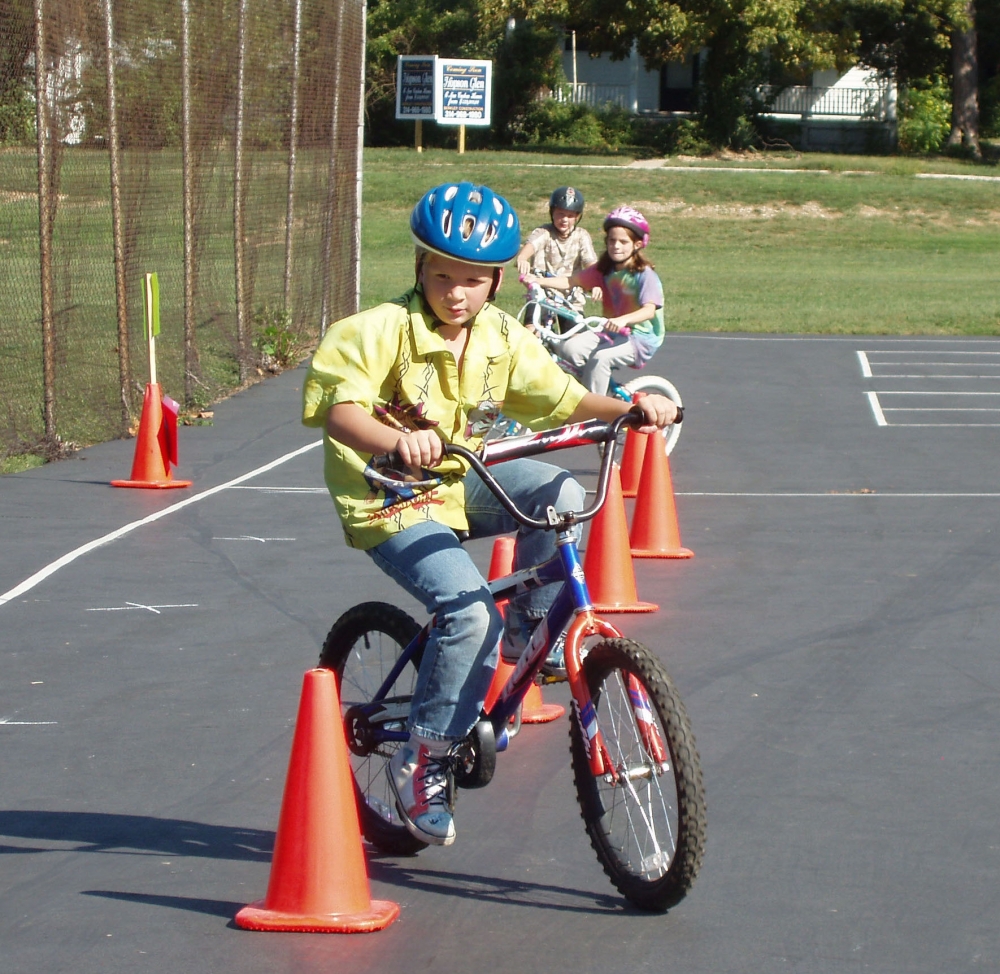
(661, 387)
(646, 817)
(362, 648)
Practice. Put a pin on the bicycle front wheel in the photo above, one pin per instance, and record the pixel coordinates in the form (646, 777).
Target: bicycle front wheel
(362, 648)
(662, 387)
(646, 815)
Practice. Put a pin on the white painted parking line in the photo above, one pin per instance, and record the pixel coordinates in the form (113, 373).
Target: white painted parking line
(7, 722)
(250, 537)
(285, 490)
(128, 606)
(932, 364)
(892, 415)
(865, 493)
(71, 556)
(880, 419)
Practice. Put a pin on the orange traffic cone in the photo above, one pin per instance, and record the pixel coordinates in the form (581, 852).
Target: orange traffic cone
(155, 446)
(319, 882)
(635, 450)
(607, 562)
(654, 522)
(533, 710)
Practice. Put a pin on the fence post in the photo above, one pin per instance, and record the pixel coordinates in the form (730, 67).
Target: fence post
(121, 293)
(238, 214)
(45, 221)
(358, 199)
(326, 310)
(293, 135)
(187, 192)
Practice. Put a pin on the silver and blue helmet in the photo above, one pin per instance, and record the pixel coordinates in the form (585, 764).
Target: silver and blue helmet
(468, 223)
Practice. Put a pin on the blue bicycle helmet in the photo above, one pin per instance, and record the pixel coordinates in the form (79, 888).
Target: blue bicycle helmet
(468, 223)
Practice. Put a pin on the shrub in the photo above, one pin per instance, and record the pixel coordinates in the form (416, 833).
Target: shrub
(560, 123)
(276, 344)
(925, 116)
(690, 138)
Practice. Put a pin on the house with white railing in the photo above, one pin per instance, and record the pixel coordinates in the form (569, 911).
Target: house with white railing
(853, 111)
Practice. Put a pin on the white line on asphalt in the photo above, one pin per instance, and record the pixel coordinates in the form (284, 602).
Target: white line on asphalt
(832, 494)
(286, 490)
(250, 537)
(853, 339)
(155, 609)
(71, 556)
(866, 369)
(880, 419)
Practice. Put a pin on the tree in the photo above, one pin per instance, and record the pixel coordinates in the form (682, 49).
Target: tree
(17, 38)
(525, 58)
(747, 42)
(965, 86)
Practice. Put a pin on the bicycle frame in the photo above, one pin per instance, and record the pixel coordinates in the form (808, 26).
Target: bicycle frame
(572, 610)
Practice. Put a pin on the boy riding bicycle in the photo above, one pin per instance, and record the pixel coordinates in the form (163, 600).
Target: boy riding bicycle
(561, 246)
(435, 366)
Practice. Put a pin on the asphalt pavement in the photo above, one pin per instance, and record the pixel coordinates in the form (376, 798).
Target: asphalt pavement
(835, 640)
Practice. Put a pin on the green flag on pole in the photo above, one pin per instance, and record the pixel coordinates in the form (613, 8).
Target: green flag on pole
(151, 303)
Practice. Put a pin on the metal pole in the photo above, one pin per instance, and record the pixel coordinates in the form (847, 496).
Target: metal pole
(45, 222)
(326, 310)
(359, 171)
(238, 215)
(117, 231)
(187, 191)
(293, 136)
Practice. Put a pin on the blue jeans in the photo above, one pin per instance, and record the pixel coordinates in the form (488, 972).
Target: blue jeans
(430, 563)
(596, 354)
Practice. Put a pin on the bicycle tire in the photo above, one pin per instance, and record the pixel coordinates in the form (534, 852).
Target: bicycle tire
(361, 648)
(648, 832)
(662, 387)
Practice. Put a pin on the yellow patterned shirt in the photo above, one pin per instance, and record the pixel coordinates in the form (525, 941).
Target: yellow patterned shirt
(389, 361)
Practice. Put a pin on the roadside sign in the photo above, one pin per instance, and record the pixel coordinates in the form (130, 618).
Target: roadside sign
(463, 92)
(415, 86)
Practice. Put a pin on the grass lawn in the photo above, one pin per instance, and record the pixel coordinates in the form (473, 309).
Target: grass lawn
(852, 244)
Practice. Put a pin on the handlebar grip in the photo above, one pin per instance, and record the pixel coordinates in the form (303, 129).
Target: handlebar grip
(640, 419)
(382, 460)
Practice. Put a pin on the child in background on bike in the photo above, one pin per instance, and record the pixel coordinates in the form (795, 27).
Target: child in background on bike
(632, 301)
(560, 247)
(434, 366)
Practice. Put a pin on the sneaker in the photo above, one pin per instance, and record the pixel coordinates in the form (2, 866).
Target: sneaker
(515, 642)
(421, 782)
(555, 663)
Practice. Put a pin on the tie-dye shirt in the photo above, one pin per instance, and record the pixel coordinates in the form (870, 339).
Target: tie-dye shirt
(625, 292)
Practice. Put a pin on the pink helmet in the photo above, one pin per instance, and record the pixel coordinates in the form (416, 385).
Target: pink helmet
(629, 218)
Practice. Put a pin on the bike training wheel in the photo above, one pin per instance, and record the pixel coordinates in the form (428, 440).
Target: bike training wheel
(662, 387)
(362, 647)
(647, 821)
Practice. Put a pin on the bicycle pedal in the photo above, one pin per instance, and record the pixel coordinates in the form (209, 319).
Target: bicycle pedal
(546, 679)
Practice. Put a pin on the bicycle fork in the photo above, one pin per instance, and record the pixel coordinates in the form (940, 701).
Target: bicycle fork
(601, 762)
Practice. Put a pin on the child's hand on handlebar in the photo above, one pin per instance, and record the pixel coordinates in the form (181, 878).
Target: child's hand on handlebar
(657, 411)
(420, 448)
(615, 325)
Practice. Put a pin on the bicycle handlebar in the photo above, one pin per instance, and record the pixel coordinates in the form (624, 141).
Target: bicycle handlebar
(511, 448)
(557, 304)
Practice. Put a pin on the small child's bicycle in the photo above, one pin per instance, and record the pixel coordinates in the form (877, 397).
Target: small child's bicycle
(635, 765)
(553, 319)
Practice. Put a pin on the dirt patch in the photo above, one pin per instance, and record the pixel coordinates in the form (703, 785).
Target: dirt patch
(738, 211)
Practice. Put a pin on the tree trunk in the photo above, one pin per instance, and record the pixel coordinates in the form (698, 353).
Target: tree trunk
(965, 84)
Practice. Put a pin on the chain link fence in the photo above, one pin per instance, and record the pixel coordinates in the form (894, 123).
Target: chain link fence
(215, 142)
